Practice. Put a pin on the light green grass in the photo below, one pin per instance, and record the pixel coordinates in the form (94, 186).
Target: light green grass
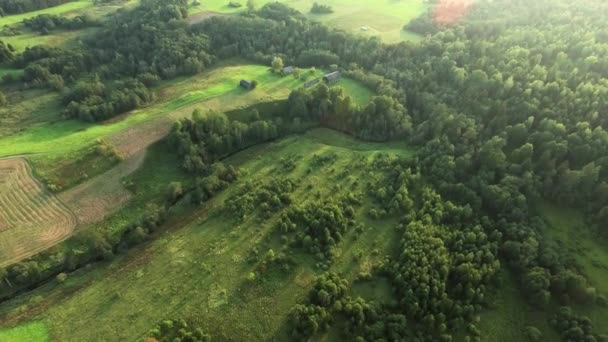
(33, 331)
(57, 10)
(216, 89)
(198, 270)
(384, 18)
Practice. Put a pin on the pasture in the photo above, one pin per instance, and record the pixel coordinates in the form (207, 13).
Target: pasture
(199, 269)
(383, 18)
(31, 219)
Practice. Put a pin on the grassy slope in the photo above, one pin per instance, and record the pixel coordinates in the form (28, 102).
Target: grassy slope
(215, 89)
(385, 18)
(196, 270)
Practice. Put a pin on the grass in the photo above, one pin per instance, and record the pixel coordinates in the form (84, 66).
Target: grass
(567, 228)
(33, 331)
(510, 314)
(57, 10)
(383, 18)
(215, 89)
(198, 270)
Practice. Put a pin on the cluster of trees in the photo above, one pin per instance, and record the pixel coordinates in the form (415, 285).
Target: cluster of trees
(93, 101)
(177, 330)
(206, 187)
(380, 120)
(45, 23)
(267, 198)
(572, 327)
(363, 320)
(7, 52)
(21, 6)
(321, 9)
(318, 227)
(207, 137)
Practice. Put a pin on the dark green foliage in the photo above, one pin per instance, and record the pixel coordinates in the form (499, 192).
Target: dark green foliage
(94, 102)
(206, 138)
(321, 9)
(44, 23)
(265, 198)
(172, 330)
(317, 226)
(6, 52)
(572, 327)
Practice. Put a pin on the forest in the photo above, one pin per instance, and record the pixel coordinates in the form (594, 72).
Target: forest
(505, 109)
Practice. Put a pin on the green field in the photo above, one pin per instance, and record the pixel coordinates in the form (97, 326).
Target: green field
(198, 270)
(57, 10)
(215, 89)
(34, 331)
(382, 18)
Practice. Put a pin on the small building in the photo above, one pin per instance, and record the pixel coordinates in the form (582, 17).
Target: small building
(332, 77)
(246, 84)
(312, 82)
(288, 70)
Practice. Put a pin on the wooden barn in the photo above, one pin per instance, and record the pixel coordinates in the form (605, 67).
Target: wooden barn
(246, 84)
(332, 77)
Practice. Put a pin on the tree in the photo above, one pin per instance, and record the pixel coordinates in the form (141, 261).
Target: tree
(251, 5)
(277, 64)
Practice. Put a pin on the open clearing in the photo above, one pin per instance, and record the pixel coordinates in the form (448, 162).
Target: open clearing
(31, 219)
(198, 270)
(380, 18)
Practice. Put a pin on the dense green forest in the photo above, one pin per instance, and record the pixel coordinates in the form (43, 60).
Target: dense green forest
(505, 109)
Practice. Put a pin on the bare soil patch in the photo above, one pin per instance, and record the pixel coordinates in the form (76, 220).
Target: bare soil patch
(31, 218)
(95, 199)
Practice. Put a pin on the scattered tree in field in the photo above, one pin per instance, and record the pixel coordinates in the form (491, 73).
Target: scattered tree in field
(251, 5)
(321, 9)
(277, 64)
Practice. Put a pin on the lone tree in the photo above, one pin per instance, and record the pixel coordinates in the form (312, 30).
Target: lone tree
(277, 64)
(251, 5)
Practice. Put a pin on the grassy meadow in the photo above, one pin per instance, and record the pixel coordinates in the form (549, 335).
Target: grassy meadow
(383, 18)
(218, 88)
(198, 268)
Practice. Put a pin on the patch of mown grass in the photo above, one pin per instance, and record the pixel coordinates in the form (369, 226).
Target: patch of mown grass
(199, 270)
(382, 18)
(33, 331)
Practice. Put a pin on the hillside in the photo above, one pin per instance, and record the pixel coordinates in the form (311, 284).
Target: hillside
(249, 170)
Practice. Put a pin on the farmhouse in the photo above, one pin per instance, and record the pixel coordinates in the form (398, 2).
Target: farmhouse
(246, 84)
(288, 70)
(332, 78)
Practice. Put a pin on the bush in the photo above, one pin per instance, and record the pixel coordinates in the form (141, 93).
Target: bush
(235, 4)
